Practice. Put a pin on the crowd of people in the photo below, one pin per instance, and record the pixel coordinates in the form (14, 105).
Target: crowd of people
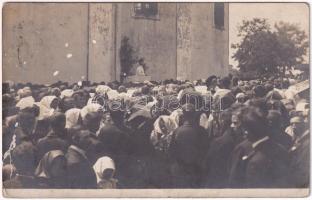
(221, 132)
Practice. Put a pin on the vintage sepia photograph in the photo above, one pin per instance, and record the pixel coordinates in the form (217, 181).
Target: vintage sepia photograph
(155, 99)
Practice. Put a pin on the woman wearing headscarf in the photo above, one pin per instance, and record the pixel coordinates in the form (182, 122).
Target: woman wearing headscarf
(104, 169)
(91, 117)
(24, 92)
(177, 117)
(161, 138)
(72, 117)
(161, 135)
(51, 171)
(25, 102)
(47, 105)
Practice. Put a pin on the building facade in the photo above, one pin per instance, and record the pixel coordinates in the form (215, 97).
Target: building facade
(47, 42)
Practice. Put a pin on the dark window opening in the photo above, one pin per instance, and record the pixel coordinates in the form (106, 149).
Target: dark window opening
(219, 15)
(145, 9)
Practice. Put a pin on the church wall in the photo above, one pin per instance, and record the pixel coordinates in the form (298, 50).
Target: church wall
(101, 42)
(42, 38)
(202, 49)
(153, 39)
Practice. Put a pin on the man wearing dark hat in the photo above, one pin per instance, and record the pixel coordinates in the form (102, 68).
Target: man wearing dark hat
(187, 150)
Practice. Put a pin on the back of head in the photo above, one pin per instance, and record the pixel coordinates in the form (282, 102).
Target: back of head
(23, 157)
(26, 121)
(259, 91)
(67, 103)
(225, 119)
(189, 111)
(225, 83)
(255, 123)
(55, 92)
(210, 80)
(57, 121)
(79, 139)
(87, 141)
(145, 90)
(261, 104)
(269, 87)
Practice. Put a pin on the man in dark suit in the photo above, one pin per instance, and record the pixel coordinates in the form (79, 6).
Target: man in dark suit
(79, 160)
(219, 153)
(187, 150)
(55, 140)
(267, 164)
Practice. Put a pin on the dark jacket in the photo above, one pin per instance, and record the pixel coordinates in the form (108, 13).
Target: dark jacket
(217, 159)
(299, 176)
(237, 165)
(267, 166)
(283, 139)
(115, 140)
(187, 151)
(80, 172)
(51, 142)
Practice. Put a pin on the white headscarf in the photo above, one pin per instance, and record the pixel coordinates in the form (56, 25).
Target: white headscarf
(301, 106)
(102, 89)
(168, 122)
(160, 139)
(176, 115)
(123, 95)
(46, 101)
(25, 102)
(101, 165)
(67, 93)
(72, 116)
(112, 94)
(94, 107)
(25, 92)
(45, 107)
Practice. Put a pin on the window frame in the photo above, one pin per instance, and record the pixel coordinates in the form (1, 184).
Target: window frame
(142, 16)
(221, 28)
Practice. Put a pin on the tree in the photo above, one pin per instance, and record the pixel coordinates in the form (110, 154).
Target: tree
(264, 51)
(292, 44)
(127, 56)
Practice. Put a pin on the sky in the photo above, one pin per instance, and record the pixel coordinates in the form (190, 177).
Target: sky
(288, 12)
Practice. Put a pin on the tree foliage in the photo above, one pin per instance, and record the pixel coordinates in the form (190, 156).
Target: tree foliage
(264, 51)
(127, 56)
(293, 44)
